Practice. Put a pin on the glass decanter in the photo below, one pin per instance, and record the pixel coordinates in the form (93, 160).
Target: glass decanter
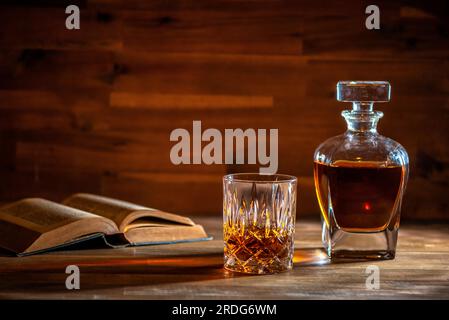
(360, 178)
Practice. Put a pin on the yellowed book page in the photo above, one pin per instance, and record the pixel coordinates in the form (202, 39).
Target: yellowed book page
(165, 234)
(41, 215)
(121, 212)
(23, 222)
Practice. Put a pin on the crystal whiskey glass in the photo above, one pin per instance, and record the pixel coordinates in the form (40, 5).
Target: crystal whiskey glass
(360, 179)
(258, 222)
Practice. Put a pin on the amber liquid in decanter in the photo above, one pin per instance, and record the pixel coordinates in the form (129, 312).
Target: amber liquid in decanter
(364, 195)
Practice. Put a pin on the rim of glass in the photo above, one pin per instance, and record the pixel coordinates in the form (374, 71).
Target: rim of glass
(259, 178)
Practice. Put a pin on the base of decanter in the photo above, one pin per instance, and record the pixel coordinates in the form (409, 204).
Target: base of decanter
(362, 255)
(343, 245)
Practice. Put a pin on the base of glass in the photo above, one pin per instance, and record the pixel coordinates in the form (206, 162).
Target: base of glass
(343, 245)
(256, 268)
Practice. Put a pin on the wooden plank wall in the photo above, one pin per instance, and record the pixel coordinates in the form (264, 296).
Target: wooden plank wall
(92, 110)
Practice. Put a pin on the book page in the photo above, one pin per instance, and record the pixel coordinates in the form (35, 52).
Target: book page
(122, 212)
(113, 209)
(40, 215)
(36, 223)
(165, 234)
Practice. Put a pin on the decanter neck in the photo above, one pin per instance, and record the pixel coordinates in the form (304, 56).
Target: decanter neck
(362, 118)
(362, 106)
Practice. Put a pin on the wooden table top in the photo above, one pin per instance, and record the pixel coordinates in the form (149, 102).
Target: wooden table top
(194, 271)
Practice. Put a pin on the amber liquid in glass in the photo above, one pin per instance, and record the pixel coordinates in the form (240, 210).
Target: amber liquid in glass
(361, 195)
(270, 249)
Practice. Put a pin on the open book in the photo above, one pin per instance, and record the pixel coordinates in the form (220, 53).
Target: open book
(36, 225)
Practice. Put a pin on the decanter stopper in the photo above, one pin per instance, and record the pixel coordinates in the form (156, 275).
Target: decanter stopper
(363, 93)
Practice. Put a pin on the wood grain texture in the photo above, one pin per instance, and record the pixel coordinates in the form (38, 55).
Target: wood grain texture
(194, 271)
(92, 110)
